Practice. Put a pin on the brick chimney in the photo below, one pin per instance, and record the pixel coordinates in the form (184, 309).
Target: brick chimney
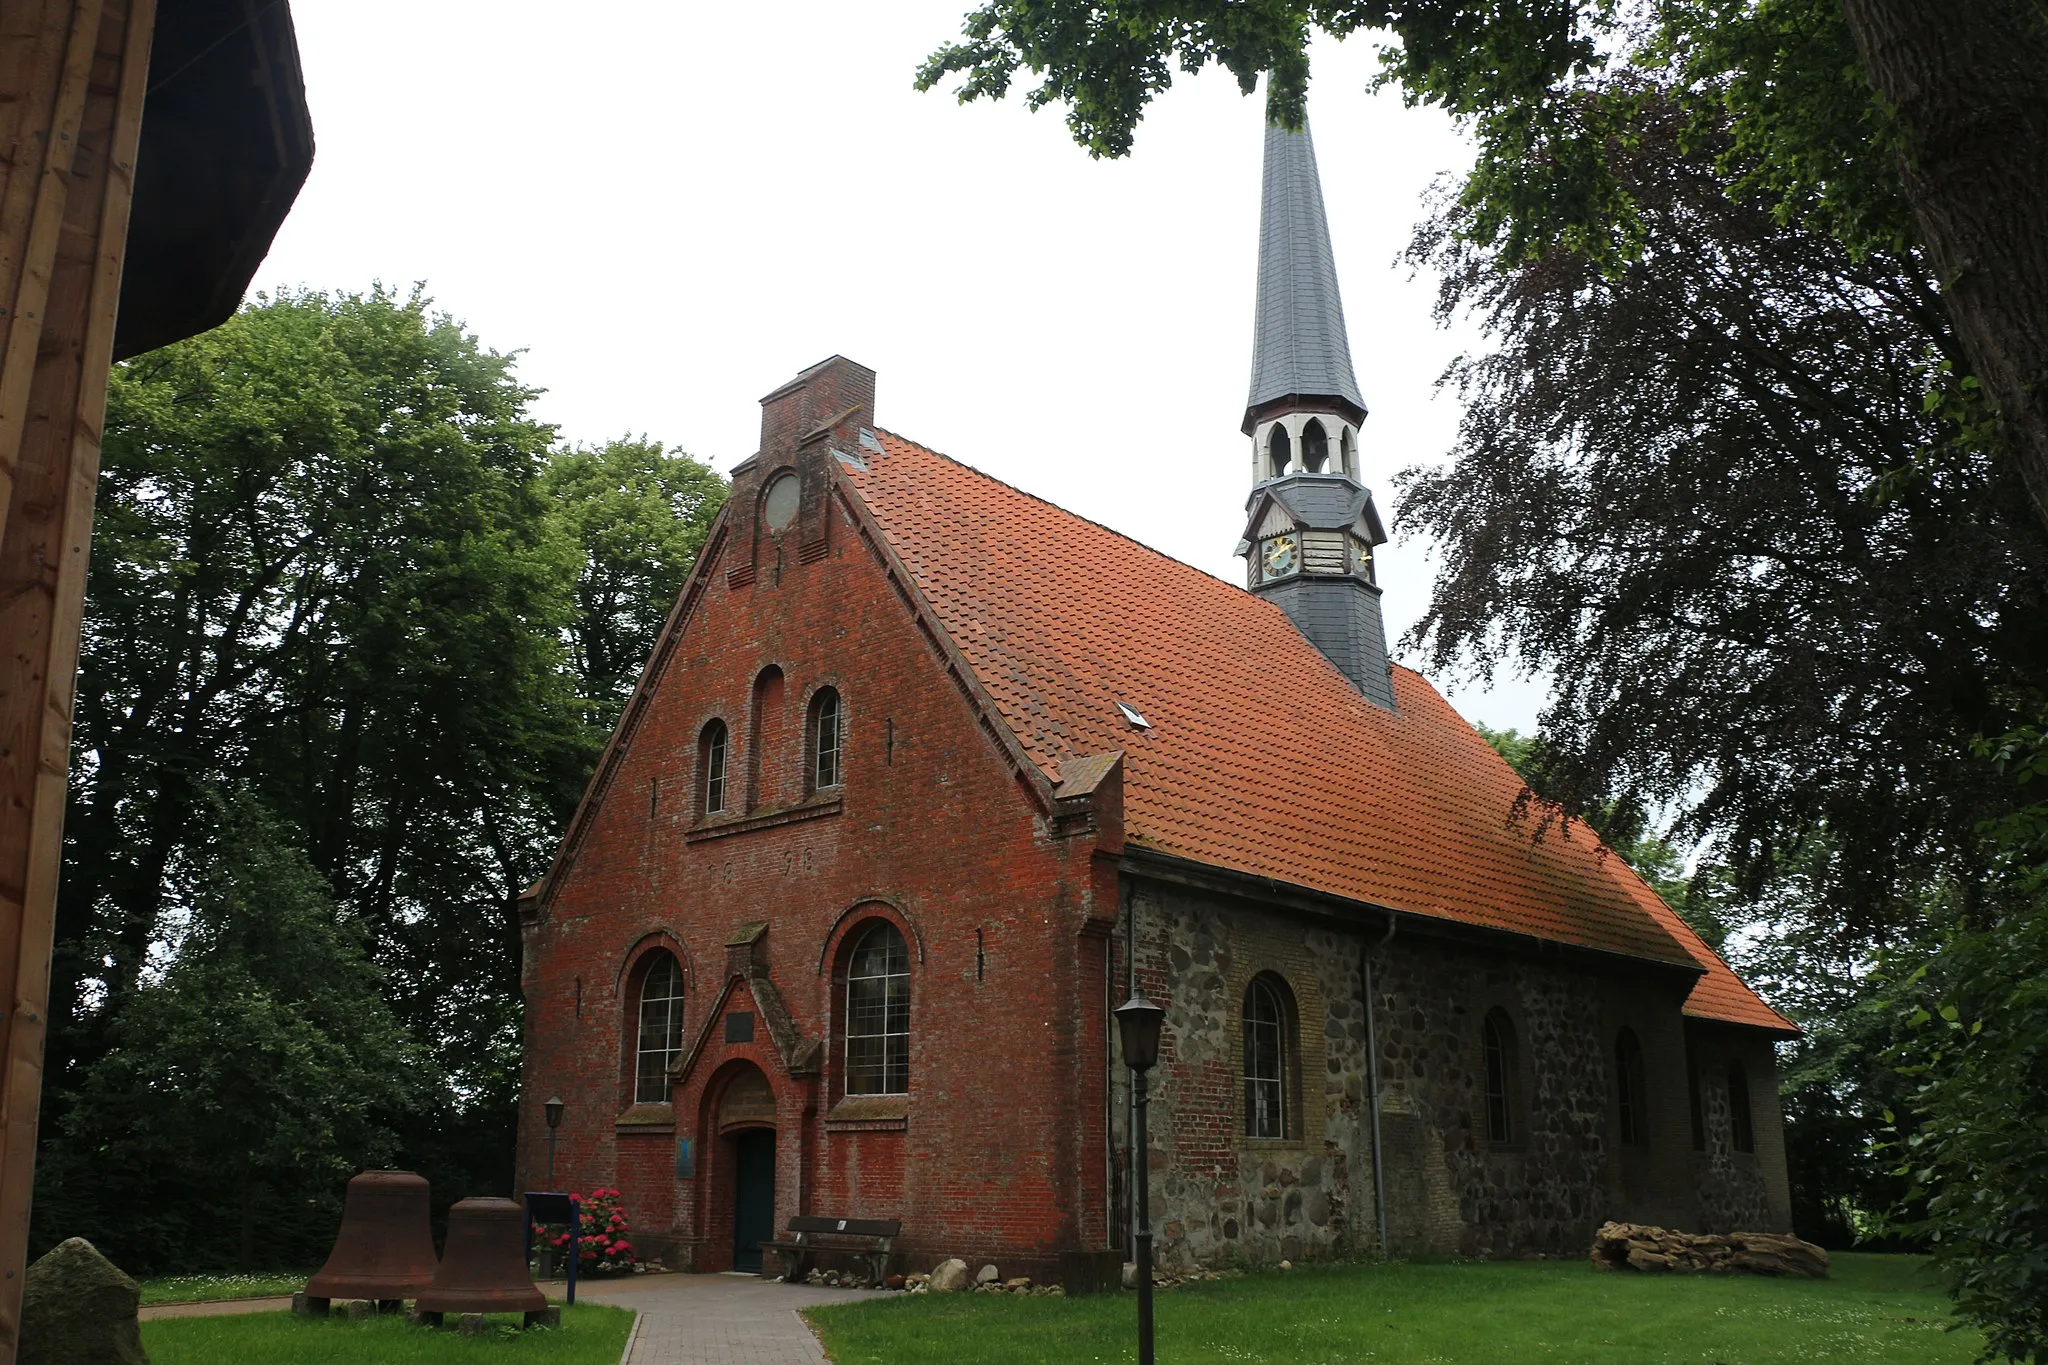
(780, 496)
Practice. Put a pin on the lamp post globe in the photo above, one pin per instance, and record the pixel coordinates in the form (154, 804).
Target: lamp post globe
(1138, 1023)
(553, 1108)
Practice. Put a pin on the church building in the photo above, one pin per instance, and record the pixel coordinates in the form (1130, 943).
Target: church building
(926, 775)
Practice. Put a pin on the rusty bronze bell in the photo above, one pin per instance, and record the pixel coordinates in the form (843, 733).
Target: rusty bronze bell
(385, 1249)
(483, 1266)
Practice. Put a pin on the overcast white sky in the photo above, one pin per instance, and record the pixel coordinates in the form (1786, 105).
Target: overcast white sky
(672, 208)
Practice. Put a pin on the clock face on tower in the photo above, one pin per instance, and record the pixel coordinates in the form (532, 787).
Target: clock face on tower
(1280, 556)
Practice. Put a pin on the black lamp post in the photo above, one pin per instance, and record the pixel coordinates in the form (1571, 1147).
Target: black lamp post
(1137, 1022)
(553, 1109)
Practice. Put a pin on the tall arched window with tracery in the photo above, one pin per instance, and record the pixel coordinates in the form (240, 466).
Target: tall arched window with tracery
(878, 1012)
(1269, 1097)
(659, 1008)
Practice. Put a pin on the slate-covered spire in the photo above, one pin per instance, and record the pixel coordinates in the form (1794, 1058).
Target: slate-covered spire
(1310, 526)
(1299, 346)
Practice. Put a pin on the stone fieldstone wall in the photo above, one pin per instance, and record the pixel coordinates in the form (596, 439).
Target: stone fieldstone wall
(1733, 1193)
(1220, 1196)
(1545, 1189)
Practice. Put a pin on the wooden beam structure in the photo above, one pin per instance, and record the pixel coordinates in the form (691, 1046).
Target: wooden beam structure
(229, 145)
(73, 76)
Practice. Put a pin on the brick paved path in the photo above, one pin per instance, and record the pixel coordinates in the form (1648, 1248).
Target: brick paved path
(718, 1319)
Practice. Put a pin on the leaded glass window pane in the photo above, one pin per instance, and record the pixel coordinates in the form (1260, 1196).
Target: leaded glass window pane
(661, 1029)
(1265, 1063)
(1499, 1065)
(825, 739)
(714, 767)
(878, 1014)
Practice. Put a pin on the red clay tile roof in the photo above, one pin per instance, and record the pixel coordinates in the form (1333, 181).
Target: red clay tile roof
(1261, 758)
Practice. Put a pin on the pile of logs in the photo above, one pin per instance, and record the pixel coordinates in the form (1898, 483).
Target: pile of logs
(1632, 1246)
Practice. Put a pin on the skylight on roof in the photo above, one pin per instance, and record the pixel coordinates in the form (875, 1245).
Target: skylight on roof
(1131, 714)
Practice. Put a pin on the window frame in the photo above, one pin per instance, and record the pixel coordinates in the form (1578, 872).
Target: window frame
(894, 1043)
(675, 1000)
(814, 740)
(1271, 1102)
(1500, 1052)
(1741, 1109)
(714, 768)
(1631, 1076)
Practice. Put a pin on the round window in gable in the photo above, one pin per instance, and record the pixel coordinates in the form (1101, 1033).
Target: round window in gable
(778, 505)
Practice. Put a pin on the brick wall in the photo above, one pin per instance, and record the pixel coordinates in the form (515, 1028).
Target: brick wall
(997, 1150)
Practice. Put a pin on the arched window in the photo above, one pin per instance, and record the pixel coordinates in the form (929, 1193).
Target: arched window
(824, 739)
(660, 1010)
(1349, 452)
(1268, 1051)
(766, 760)
(711, 748)
(1279, 450)
(878, 1013)
(1741, 1123)
(1315, 447)
(1497, 1040)
(1629, 1089)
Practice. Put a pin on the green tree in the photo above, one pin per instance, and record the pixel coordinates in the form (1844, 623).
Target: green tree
(640, 514)
(244, 1081)
(1720, 496)
(325, 574)
(1927, 117)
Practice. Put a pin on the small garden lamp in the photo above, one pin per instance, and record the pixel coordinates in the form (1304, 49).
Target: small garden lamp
(553, 1109)
(1138, 1022)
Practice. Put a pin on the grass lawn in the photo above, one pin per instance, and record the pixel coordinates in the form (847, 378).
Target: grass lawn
(591, 1334)
(204, 1288)
(1875, 1308)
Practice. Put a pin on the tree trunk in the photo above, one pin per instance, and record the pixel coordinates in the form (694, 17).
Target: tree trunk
(1968, 82)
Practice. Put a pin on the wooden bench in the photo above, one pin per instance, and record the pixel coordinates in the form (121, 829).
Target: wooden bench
(870, 1238)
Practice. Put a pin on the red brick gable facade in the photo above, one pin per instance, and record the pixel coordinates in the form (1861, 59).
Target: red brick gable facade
(938, 827)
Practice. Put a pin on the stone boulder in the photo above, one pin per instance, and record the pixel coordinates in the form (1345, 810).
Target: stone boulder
(77, 1308)
(1634, 1246)
(949, 1277)
(986, 1275)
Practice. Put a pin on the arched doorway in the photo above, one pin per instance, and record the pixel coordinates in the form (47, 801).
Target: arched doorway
(746, 1135)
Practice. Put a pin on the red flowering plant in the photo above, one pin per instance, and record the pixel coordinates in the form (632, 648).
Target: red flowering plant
(603, 1242)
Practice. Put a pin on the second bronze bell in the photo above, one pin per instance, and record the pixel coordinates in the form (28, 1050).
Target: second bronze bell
(483, 1267)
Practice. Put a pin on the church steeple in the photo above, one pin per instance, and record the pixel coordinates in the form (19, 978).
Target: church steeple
(1311, 527)
(1299, 346)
